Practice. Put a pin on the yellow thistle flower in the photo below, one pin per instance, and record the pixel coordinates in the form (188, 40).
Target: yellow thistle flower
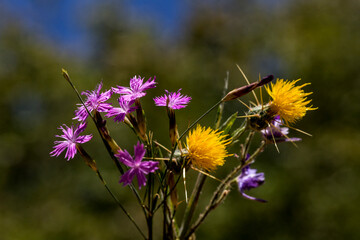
(206, 148)
(288, 101)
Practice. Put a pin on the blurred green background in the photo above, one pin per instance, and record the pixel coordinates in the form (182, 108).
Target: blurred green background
(313, 190)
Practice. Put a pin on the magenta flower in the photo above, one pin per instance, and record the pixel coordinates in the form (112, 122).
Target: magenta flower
(137, 88)
(120, 113)
(275, 131)
(137, 167)
(71, 136)
(249, 179)
(173, 100)
(95, 101)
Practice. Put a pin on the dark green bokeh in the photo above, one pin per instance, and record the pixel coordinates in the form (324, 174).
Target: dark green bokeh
(312, 190)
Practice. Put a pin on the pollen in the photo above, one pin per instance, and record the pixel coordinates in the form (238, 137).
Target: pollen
(206, 148)
(288, 101)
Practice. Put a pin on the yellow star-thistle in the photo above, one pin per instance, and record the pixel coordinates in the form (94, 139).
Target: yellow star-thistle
(206, 148)
(288, 101)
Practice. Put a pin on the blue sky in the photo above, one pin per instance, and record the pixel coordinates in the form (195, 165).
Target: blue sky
(62, 22)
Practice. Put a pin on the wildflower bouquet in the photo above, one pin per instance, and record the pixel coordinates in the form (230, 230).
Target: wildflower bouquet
(160, 167)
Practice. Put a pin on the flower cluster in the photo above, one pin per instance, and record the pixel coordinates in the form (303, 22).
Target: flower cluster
(97, 101)
(198, 148)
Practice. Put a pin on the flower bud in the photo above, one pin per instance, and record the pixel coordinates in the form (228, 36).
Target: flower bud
(238, 92)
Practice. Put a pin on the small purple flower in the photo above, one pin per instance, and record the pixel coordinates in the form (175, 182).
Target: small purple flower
(279, 133)
(137, 167)
(120, 113)
(249, 179)
(71, 136)
(95, 101)
(173, 100)
(137, 88)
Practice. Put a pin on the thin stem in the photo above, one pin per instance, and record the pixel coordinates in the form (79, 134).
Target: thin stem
(221, 106)
(166, 195)
(164, 221)
(247, 144)
(120, 205)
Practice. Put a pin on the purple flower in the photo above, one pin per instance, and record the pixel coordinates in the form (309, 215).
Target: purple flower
(137, 167)
(71, 136)
(173, 100)
(95, 101)
(120, 113)
(279, 133)
(249, 179)
(137, 88)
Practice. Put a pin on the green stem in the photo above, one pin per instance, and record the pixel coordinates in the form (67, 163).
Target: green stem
(120, 205)
(221, 106)
(191, 206)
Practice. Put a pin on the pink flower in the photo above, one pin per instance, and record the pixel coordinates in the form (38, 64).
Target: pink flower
(173, 100)
(120, 113)
(137, 88)
(137, 167)
(71, 136)
(95, 101)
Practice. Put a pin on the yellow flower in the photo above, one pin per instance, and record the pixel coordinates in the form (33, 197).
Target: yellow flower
(288, 101)
(206, 148)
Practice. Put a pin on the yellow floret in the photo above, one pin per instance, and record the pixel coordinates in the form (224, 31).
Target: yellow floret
(206, 148)
(288, 101)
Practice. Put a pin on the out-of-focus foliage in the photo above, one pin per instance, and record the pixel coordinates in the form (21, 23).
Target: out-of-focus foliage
(312, 190)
